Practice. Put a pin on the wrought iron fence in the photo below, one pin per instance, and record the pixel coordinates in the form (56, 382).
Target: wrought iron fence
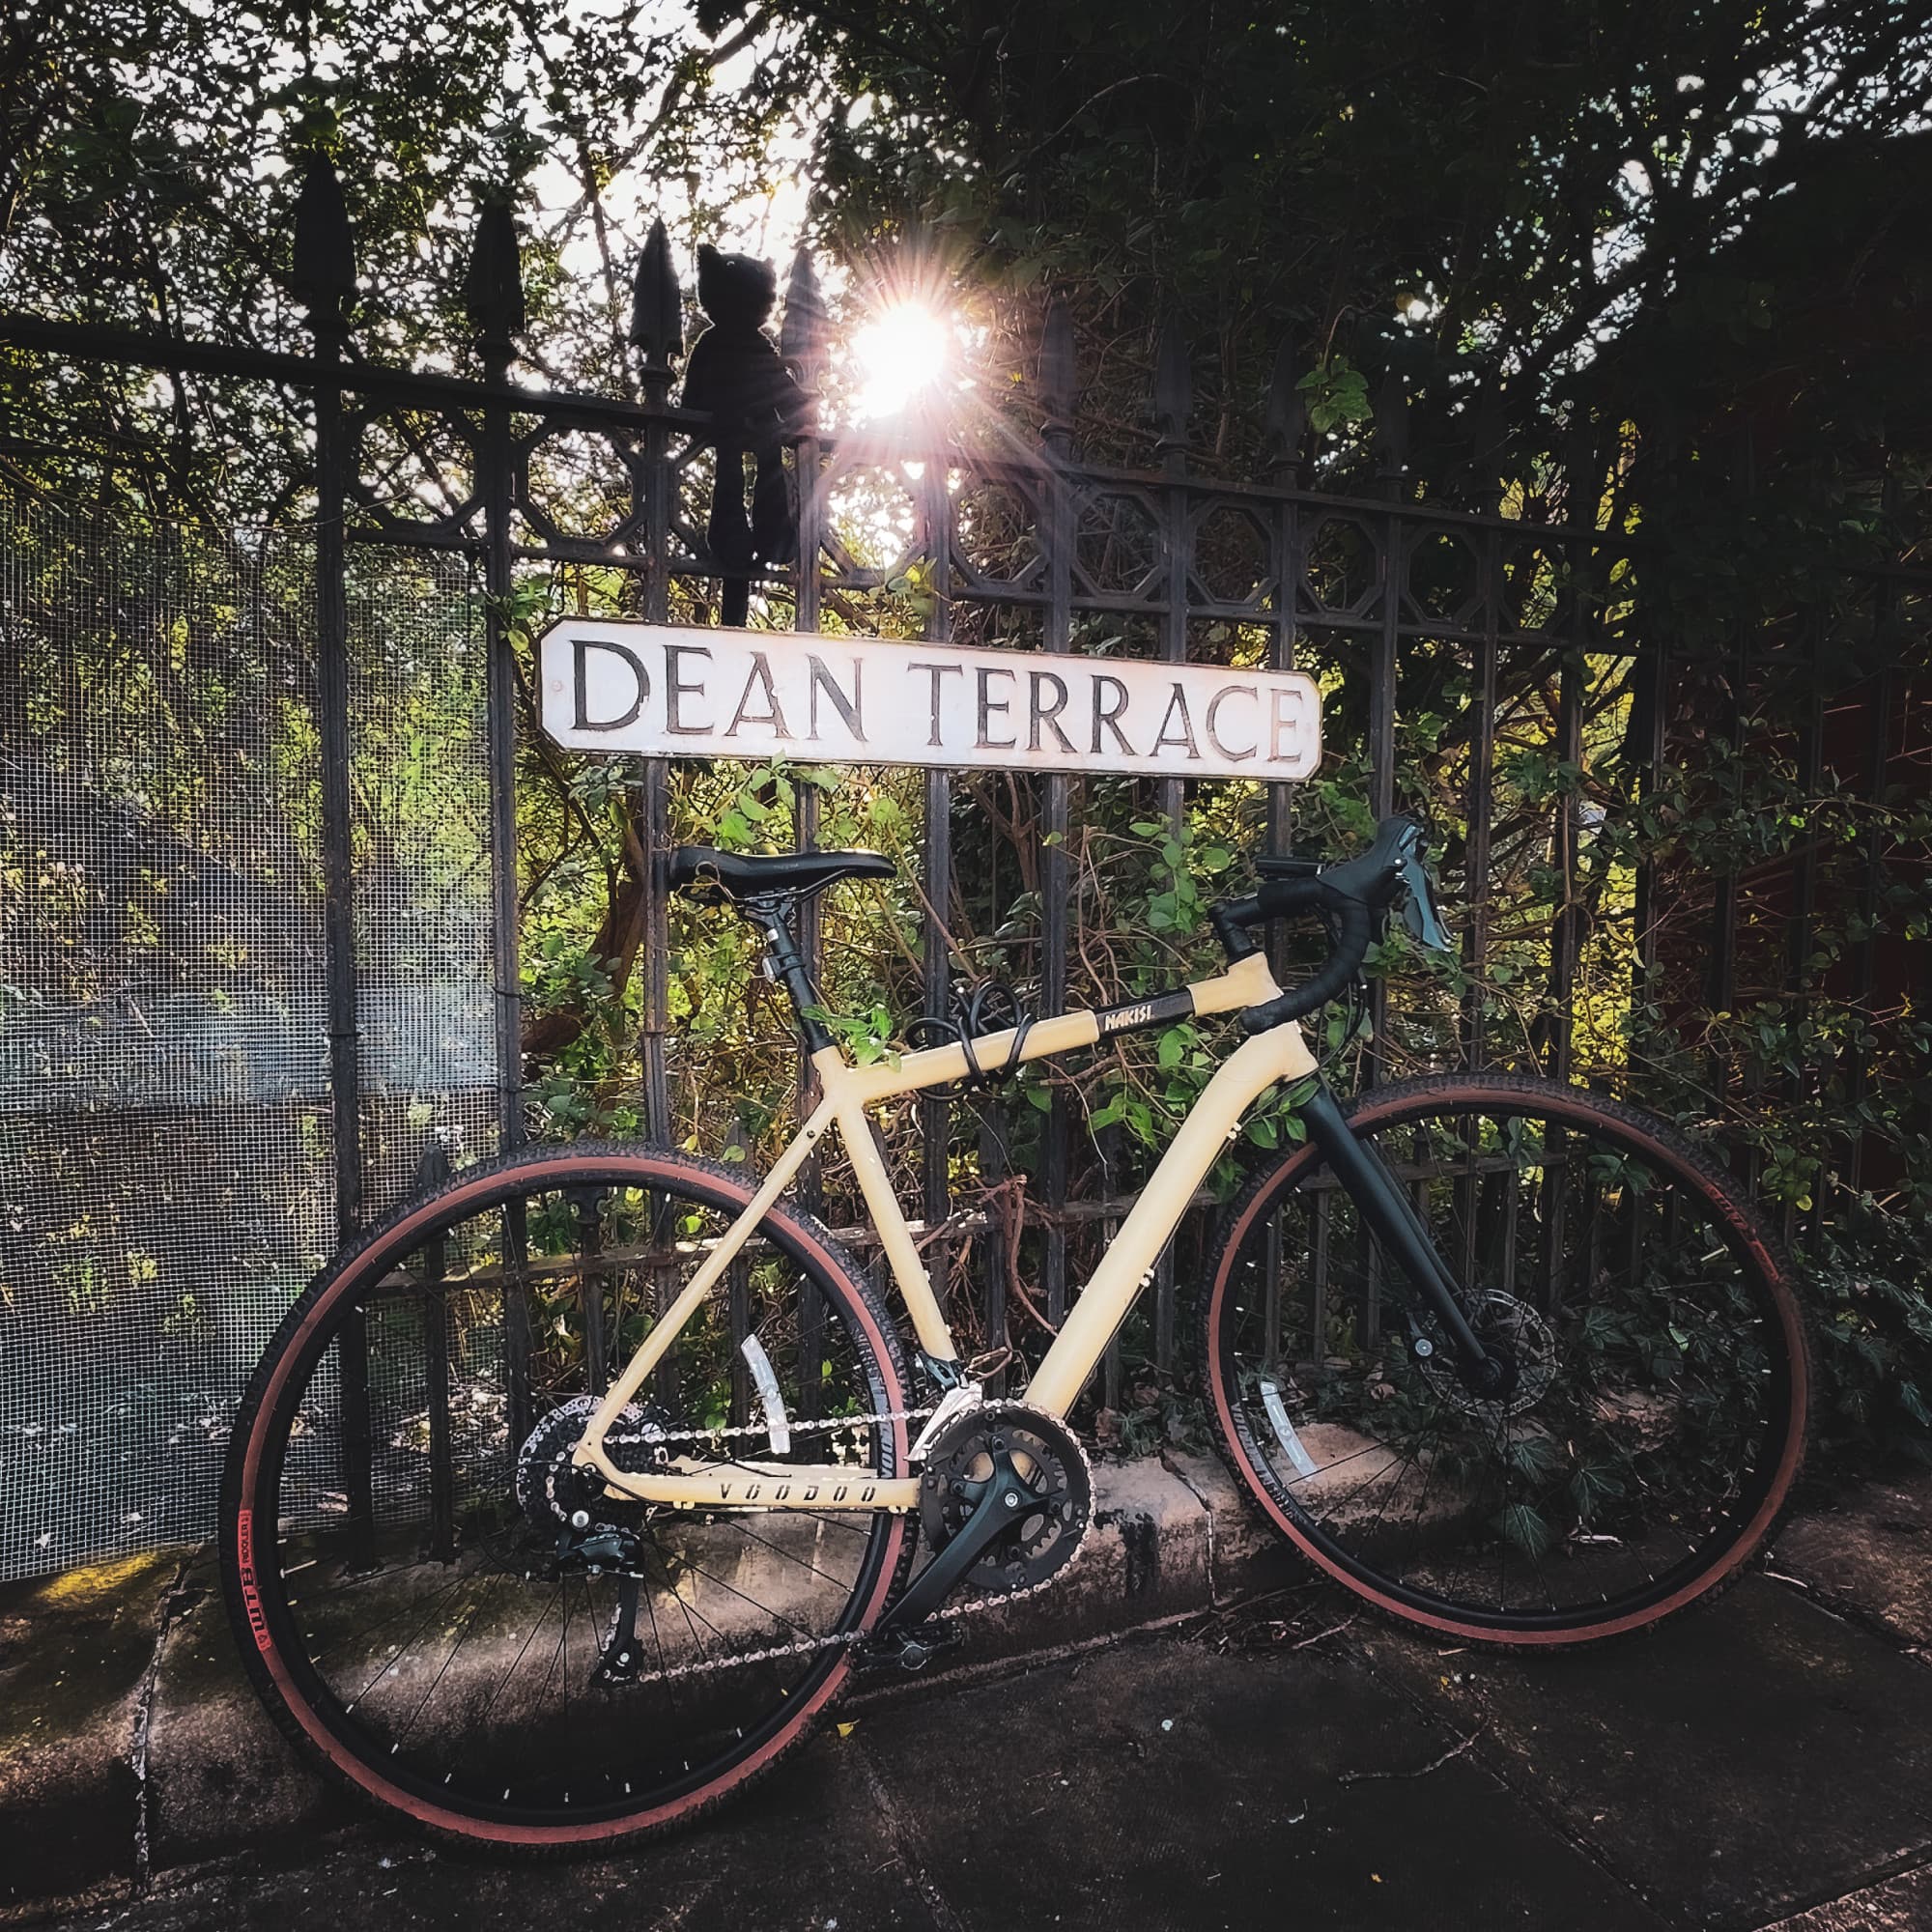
(371, 1003)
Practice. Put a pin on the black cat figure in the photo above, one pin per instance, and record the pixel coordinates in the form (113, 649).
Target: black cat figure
(737, 377)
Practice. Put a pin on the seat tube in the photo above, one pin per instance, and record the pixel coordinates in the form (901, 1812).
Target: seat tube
(1391, 1217)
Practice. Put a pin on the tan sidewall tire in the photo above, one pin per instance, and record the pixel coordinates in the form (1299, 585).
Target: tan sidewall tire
(1575, 1107)
(250, 1455)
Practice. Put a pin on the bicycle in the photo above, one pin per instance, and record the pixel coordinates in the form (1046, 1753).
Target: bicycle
(567, 1500)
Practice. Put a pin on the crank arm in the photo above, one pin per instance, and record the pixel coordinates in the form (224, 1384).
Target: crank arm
(1004, 1504)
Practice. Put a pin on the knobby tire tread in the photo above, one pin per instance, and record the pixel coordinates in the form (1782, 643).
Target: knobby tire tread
(1514, 1087)
(547, 1162)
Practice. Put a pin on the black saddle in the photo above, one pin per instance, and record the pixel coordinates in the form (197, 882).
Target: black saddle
(746, 875)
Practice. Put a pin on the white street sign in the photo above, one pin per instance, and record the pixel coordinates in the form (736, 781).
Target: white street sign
(673, 690)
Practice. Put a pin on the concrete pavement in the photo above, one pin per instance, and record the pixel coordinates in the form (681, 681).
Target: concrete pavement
(1765, 1763)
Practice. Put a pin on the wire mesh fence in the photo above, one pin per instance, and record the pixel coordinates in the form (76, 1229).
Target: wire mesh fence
(166, 1128)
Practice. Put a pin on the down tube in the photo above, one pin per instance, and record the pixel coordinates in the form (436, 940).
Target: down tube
(1215, 1118)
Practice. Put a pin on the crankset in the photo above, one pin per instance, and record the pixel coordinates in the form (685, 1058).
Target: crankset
(1006, 1499)
(1043, 1530)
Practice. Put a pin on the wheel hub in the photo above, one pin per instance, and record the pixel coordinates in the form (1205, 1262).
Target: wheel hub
(1521, 1343)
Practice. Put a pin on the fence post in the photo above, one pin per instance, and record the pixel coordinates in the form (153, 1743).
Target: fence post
(936, 1113)
(1058, 394)
(1391, 445)
(1485, 437)
(1286, 424)
(492, 298)
(325, 278)
(1566, 933)
(1172, 400)
(657, 333)
(802, 345)
(431, 1170)
(1653, 696)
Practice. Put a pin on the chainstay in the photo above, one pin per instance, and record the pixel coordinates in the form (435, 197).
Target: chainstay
(838, 1639)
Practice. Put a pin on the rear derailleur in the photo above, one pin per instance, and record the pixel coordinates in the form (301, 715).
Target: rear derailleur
(595, 1534)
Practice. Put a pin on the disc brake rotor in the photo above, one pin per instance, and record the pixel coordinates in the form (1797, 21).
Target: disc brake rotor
(1513, 1326)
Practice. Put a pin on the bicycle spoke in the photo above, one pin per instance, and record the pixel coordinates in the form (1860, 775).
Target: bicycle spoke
(488, 1678)
(1641, 1418)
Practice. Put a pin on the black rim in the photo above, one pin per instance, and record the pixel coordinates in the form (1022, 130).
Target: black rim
(483, 1563)
(1585, 1436)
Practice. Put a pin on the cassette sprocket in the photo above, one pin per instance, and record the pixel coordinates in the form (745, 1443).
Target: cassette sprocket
(548, 1490)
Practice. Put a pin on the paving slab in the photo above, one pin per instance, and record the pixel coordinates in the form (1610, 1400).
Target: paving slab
(74, 1656)
(1871, 1552)
(1736, 1764)
(1291, 1790)
(802, 1852)
(1158, 1784)
(1901, 1904)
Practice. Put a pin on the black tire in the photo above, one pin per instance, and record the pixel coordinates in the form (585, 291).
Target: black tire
(1606, 1417)
(397, 1289)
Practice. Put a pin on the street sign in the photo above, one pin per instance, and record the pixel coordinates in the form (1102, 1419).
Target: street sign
(675, 691)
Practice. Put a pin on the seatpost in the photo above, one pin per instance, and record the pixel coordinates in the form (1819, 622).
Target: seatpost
(787, 968)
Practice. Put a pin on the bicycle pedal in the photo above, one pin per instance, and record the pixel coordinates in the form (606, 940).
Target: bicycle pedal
(909, 1650)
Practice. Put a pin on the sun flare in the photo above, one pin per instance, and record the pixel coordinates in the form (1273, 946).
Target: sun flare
(897, 356)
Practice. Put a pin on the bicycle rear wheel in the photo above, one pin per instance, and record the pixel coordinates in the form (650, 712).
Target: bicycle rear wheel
(401, 1569)
(1657, 1424)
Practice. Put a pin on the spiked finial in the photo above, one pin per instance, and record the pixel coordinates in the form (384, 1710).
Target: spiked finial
(1581, 477)
(656, 320)
(1287, 419)
(1172, 387)
(1059, 375)
(493, 285)
(1391, 427)
(1486, 431)
(803, 333)
(802, 336)
(325, 246)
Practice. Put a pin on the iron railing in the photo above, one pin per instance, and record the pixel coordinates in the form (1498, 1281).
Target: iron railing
(1365, 586)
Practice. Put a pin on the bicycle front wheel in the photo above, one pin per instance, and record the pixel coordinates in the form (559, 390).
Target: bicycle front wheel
(413, 1597)
(1657, 1421)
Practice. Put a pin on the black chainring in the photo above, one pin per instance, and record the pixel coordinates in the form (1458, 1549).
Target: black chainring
(958, 1466)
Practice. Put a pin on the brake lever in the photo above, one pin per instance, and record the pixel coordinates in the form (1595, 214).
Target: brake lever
(1418, 912)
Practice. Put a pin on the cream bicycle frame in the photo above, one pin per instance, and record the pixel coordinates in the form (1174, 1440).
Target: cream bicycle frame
(1125, 1270)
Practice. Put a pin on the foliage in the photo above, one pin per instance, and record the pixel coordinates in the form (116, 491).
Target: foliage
(1658, 274)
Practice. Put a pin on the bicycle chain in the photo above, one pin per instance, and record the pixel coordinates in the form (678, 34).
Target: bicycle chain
(844, 1639)
(656, 1437)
